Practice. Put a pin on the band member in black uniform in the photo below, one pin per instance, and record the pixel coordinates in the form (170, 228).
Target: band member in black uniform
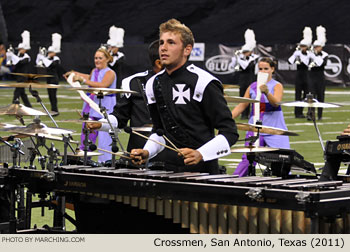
(52, 63)
(187, 104)
(115, 42)
(134, 107)
(301, 57)
(244, 62)
(318, 61)
(21, 65)
(110, 216)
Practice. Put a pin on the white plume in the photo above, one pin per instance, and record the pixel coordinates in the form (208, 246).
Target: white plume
(56, 43)
(116, 36)
(250, 42)
(25, 40)
(307, 36)
(321, 36)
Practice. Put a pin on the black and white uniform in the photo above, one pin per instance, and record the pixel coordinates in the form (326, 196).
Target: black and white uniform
(52, 66)
(117, 65)
(21, 63)
(317, 79)
(133, 107)
(188, 105)
(302, 78)
(246, 75)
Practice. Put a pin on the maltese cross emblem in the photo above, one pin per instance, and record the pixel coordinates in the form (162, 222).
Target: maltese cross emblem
(180, 94)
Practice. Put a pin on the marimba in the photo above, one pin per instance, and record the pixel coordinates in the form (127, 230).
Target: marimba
(204, 203)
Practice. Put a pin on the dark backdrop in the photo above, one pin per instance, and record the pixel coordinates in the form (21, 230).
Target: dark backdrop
(84, 25)
(212, 21)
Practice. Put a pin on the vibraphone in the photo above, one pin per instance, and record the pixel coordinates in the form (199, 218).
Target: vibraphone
(205, 203)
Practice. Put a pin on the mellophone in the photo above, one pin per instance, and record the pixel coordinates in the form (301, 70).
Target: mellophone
(205, 203)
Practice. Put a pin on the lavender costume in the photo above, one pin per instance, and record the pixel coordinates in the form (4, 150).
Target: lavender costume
(270, 116)
(108, 102)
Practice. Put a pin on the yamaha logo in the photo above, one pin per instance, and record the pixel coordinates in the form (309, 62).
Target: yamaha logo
(333, 67)
(220, 64)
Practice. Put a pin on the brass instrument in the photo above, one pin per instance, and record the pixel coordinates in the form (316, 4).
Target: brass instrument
(9, 59)
(312, 62)
(236, 66)
(238, 52)
(43, 52)
(297, 59)
(104, 46)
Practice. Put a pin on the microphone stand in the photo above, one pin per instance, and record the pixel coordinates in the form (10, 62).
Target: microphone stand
(113, 131)
(251, 155)
(86, 132)
(114, 135)
(312, 113)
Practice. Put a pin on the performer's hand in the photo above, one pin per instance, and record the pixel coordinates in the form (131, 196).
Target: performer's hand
(78, 78)
(93, 125)
(191, 156)
(139, 156)
(264, 89)
(66, 75)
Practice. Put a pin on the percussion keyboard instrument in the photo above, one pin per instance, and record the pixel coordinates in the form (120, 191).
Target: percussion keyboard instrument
(205, 203)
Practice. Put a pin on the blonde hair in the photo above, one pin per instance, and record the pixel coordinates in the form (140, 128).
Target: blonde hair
(175, 26)
(106, 53)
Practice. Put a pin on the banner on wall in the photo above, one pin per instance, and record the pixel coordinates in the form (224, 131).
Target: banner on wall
(218, 58)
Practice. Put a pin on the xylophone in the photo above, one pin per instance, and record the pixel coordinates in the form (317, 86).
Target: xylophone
(203, 203)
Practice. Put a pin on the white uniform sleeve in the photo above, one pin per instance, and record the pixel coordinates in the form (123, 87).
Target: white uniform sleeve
(47, 62)
(154, 148)
(292, 58)
(215, 148)
(105, 126)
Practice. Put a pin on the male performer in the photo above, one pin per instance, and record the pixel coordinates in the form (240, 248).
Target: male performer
(21, 65)
(301, 57)
(116, 41)
(244, 62)
(52, 64)
(110, 216)
(186, 103)
(318, 61)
